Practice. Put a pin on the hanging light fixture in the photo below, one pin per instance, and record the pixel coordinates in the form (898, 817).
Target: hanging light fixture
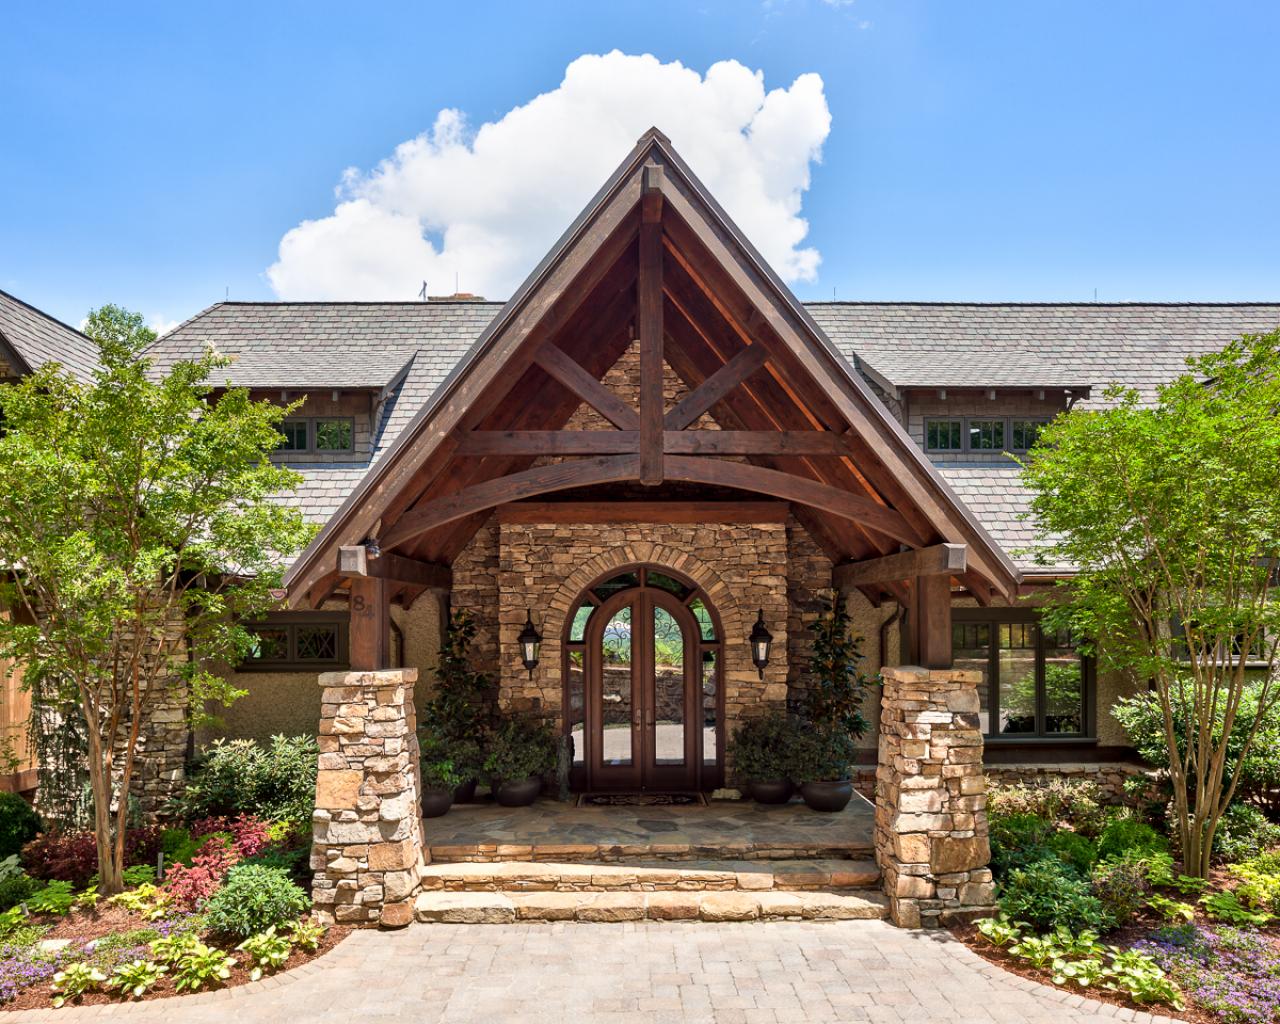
(761, 640)
(530, 643)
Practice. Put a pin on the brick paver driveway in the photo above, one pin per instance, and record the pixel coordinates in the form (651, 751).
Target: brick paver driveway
(644, 973)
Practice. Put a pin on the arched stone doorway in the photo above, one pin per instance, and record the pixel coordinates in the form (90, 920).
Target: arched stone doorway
(643, 671)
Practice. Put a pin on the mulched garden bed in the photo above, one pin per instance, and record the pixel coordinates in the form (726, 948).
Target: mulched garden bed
(968, 934)
(83, 926)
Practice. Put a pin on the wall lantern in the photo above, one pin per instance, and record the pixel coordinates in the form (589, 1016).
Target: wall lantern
(530, 643)
(761, 640)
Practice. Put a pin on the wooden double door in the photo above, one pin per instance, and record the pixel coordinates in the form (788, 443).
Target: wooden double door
(644, 694)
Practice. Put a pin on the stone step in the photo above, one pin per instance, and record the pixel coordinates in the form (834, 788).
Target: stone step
(685, 876)
(441, 907)
(628, 853)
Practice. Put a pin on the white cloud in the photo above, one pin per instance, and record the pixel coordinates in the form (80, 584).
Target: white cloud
(162, 324)
(487, 204)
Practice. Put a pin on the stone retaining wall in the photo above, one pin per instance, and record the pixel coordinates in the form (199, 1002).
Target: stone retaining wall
(367, 851)
(931, 818)
(1110, 776)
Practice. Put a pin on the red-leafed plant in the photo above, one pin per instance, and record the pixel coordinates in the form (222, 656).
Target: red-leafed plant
(249, 833)
(73, 856)
(192, 886)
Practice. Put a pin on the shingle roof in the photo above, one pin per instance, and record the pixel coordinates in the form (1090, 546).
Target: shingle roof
(38, 338)
(355, 344)
(938, 345)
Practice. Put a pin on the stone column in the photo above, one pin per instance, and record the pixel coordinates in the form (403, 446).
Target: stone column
(367, 850)
(931, 817)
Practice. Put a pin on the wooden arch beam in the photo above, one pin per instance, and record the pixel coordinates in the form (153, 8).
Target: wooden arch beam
(562, 476)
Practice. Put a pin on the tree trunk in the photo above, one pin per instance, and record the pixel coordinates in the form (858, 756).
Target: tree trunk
(110, 865)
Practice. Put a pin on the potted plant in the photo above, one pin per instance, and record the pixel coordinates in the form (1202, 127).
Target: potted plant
(439, 778)
(761, 749)
(821, 761)
(520, 754)
(831, 710)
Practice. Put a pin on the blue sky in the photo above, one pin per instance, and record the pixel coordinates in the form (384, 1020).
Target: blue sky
(155, 155)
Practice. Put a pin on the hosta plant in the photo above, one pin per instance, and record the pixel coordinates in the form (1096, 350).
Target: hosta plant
(305, 934)
(200, 966)
(1084, 973)
(1039, 952)
(1226, 906)
(268, 951)
(136, 978)
(1142, 979)
(999, 931)
(172, 948)
(74, 980)
(1173, 911)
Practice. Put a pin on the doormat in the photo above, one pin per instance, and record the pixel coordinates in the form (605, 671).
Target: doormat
(642, 800)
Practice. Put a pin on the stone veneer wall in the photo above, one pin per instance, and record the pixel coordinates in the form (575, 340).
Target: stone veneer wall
(367, 851)
(931, 819)
(1110, 776)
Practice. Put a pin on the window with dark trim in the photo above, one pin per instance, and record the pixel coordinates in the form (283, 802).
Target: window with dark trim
(944, 435)
(1035, 684)
(326, 434)
(982, 433)
(1258, 656)
(298, 642)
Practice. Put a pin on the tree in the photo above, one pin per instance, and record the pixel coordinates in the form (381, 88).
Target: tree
(837, 686)
(1171, 511)
(138, 523)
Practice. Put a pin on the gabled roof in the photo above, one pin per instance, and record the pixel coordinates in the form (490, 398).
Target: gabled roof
(36, 338)
(1034, 344)
(580, 304)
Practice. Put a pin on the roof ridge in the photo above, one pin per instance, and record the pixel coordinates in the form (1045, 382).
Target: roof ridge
(47, 316)
(358, 302)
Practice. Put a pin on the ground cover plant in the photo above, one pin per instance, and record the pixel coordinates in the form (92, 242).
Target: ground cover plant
(1095, 899)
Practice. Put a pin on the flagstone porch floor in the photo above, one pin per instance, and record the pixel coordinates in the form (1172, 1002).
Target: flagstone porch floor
(724, 829)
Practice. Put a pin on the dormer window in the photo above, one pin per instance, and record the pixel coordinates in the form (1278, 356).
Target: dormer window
(944, 435)
(318, 434)
(986, 435)
(1025, 434)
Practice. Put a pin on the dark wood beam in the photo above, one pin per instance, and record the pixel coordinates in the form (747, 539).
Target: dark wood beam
(549, 442)
(557, 476)
(613, 512)
(938, 560)
(675, 442)
(649, 326)
(931, 621)
(715, 387)
(370, 639)
(803, 490)
(581, 383)
(354, 561)
(755, 442)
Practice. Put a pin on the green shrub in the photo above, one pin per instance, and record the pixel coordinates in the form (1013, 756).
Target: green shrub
(1048, 895)
(252, 899)
(15, 889)
(294, 861)
(19, 824)
(1243, 832)
(1018, 840)
(243, 777)
(1073, 849)
(1122, 887)
(178, 845)
(1125, 837)
(822, 755)
(762, 749)
(520, 748)
(1259, 885)
(1143, 719)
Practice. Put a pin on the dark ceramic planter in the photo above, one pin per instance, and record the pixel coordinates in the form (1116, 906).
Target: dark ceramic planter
(436, 802)
(520, 793)
(827, 796)
(466, 793)
(772, 791)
